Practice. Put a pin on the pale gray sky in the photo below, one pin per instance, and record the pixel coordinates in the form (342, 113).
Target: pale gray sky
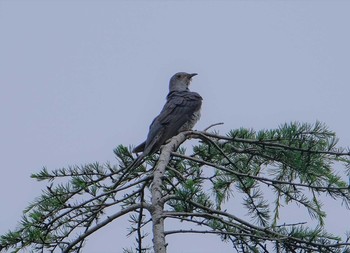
(78, 78)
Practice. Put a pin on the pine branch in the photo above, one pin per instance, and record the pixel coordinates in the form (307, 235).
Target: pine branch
(104, 223)
(295, 162)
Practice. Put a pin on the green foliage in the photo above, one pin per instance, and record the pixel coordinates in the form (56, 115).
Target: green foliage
(292, 158)
(263, 171)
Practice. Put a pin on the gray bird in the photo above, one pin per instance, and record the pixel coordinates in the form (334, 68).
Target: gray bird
(180, 113)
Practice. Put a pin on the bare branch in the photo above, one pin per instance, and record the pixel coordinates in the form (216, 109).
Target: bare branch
(212, 125)
(105, 222)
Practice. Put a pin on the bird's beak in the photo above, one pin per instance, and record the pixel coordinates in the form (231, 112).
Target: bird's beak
(192, 75)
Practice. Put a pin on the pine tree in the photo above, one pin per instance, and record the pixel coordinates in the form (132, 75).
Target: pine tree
(265, 170)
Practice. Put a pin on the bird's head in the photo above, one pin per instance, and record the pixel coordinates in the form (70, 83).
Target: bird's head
(180, 81)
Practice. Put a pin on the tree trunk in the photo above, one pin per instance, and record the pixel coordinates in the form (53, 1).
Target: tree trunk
(159, 244)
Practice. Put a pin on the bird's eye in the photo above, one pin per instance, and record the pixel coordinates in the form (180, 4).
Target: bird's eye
(178, 76)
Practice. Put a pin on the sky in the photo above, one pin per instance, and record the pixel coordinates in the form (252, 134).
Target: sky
(78, 78)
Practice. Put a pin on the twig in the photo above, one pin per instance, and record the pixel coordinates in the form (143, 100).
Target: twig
(212, 125)
(104, 223)
(139, 222)
(270, 144)
(267, 181)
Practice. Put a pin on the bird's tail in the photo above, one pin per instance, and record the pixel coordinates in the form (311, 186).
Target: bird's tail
(139, 148)
(137, 162)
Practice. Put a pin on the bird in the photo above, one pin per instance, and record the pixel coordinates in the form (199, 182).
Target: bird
(180, 113)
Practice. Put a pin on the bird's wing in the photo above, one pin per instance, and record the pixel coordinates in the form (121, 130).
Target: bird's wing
(179, 108)
(176, 112)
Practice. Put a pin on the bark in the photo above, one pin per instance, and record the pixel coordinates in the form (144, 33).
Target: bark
(159, 244)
